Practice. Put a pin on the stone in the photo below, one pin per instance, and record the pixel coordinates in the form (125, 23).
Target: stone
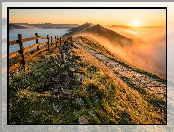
(65, 65)
(63, 51)
(97, 99)
(55, 91)
(66, 94)
(72, 69)
(57, 108)
(64, 57)
(82, 120)
(22, 82)
(54, 98)
(57, 86)
(48, 84)
(77, 77)
(67, 79)
(35, 74)
(52, 57)
(83, 93)
(79, 101)
(65, 73)
(75, 111)
(64, 101)
(55, 79)
(91, 113)
(42, 77)
(79, 71)
(48, 121)
(62, 66)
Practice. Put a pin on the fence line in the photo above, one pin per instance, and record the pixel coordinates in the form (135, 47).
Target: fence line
(22, 50)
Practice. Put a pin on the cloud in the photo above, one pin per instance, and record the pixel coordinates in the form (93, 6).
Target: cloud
(148, 52)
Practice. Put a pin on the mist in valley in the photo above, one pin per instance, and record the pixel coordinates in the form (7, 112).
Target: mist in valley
(148, 50)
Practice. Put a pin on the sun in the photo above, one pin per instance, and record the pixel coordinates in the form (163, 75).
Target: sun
(136, 23)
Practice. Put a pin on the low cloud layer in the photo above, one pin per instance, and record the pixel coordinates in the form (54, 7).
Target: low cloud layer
(148, 51)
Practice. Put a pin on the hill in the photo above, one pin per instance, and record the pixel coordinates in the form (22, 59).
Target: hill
(84, 84)
(101, 31)
(75, 30)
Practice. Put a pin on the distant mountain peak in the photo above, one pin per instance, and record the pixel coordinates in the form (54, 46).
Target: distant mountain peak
(98, 30)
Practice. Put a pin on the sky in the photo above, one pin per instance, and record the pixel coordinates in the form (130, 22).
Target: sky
(132, 17)
(103, 17)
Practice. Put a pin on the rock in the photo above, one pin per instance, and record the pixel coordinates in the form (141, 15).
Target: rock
(79, 101)
(67, 79)
(64, 73)
(66, 94)
(67, 64)
(63, 51)
(35, 74)
(82, 93)
(62, 66)
(64, 101)
(78, 78)
(78, 71)
(55, 91)
(66, 85)
(82, 120)
(57, 86)
(73, 122)
(54, 98)
(75, 111)
(48, 121)
(52, 58)
(22, 82)
(57, 108)
(42, 77)
(55, 79)
(72, 69)
(64, 57)
(97, 99)
(48, 84)
(34, 112)
(91, 113)
(70, 56)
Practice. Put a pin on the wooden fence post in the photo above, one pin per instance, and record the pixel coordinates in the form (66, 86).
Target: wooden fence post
(37, 41)
(48, 42)
(55, 40)
(51, 41)
(71, 39)
(21, 50)
(60, 40)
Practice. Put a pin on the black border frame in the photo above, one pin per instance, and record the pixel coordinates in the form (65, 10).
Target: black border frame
(76, 8)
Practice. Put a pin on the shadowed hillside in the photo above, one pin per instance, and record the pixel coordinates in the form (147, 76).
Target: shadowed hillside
(88, 28)
(107, 33)
(80, 28)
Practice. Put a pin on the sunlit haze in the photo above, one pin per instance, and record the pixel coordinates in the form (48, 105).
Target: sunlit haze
(130, 17)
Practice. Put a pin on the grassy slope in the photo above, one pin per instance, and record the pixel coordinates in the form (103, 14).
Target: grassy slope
(107, 99)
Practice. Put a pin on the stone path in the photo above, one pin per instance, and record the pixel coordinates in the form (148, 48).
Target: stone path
(130, 76)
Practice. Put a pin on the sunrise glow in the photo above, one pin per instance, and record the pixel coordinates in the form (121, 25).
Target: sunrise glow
(133, 17)
(136, 23)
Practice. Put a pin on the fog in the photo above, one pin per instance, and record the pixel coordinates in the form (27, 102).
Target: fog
(147, 52)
